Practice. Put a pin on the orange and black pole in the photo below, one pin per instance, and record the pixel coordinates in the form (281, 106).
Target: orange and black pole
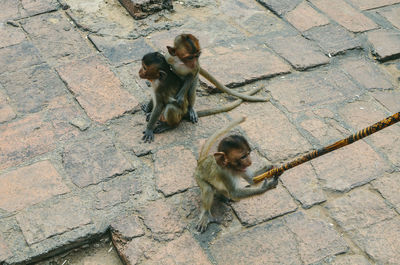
(324, 150)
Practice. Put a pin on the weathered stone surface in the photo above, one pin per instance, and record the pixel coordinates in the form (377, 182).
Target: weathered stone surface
(315, 88)
(30, 185)
(140, 9)
(34, 7)
(32, 89)
(56, 38)
(120, 51)
(392, 15)
(370, 4)
(389, 99)
(127, 228)
(367, 74)
(288, 47)
(97, 89)
(345, 15)
(349, 167)
(5, 252)
(265, 131)
(40, 223)
(386, 44)
(6, 111)
(359, 208)
(93, 160)
(316, 238)
(303, 184)
(279, 7)
(137, 249)
(257, 209)
(304, 17)
(162, 220)
(174, 168)
(244, 66)
(333, 39)
(10, 35)
(17, 57)
(388, 186)
(350, 260)
(381, 241)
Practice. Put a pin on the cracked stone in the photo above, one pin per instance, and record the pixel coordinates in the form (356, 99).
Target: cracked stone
(140, 9)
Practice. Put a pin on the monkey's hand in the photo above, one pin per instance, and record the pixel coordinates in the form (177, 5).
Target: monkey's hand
(179, 99)
(270, 184)
(193, 115)
(147, 108)
(148, 136)
(148, 115)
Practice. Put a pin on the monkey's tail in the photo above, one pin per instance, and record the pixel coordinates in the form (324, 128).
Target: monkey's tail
(227, 107)
(231, 92)
(207, 145)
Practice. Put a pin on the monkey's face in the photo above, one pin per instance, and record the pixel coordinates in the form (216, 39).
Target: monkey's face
(238, 159)
(149, 72)
(191, 60)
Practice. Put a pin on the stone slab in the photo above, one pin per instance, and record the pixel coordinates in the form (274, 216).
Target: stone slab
(279, 7)
(40, 223)
(5, 252)
(350, 259)
(97, 89)
(388, 186)
(29, 185)
(140, 9)
(6, 111)
(345, 15)
(289, 47)
(10, 35)
(389, 99)
(385, 43)
(371, 4)
(302, 183)
(16, 57)
(94, 159)
(392, 15)
(34, 7)
(304, 17)
(127, 228)
(333, 39)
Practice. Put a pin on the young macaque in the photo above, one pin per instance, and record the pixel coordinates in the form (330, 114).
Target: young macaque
(220, 173)
(162, 108)
(184, 60)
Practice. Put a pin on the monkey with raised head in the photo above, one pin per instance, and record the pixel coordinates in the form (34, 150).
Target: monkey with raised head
(184, 60)
(162, 108)
(220, 172)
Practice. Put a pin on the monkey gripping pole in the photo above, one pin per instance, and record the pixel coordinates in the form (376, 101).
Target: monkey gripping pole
(324, 150)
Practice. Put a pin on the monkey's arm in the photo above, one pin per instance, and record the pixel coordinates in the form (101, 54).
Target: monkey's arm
(187, 83)
(241, 193)
(155, 115)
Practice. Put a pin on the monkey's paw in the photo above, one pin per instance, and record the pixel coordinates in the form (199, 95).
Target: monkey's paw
(193, 115)
(146, 108)
(202, 224)
(148, 136)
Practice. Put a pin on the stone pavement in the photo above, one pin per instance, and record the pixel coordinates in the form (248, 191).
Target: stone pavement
(72, 163)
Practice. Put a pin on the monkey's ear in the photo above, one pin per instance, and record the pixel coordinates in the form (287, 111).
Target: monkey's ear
(220, 158)
(163, 75)
(171, 50)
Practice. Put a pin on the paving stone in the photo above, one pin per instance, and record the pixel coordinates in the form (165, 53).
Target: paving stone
(5, 252)
(304, 17)
(310, 89)
(174, 169)
(381, 241)
(162, 220)
(34, 7)
(371, 4)
(279, 7)
(97, 89)
(392, 15)
(93, 160)
(333, 39)
(137, 249)
(40, 223)
(389, 99)
(359, 208)
(265, 132)
(303, 184)
(362, 114)
(316, 238)
(140, 9)
(385, 43)
(270, 243)
(121, 51)
(29, 185)
(17, 57)
(350, 260)
(366, 73)
(127, 228)
(10, 35)
(348, 167)
(33, 88)
(240, 70)
(388, 187)
(345, 15)
(257, 209)
(6, 111)
(10, 10)
(56, 38)
(289, 47)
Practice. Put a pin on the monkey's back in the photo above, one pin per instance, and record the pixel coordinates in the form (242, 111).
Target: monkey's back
(209, 171)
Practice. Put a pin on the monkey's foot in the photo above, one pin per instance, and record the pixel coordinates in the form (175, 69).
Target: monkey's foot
(202, 224)
(147, 108)
(193, 115)
(162, 127)
(148, 136)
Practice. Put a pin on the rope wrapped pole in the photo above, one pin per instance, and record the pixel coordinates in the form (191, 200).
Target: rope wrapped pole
(324, 150)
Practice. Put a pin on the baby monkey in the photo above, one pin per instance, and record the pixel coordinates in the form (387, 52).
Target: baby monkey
(220, 173)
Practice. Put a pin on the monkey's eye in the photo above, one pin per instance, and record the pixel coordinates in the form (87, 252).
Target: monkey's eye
(245, 156)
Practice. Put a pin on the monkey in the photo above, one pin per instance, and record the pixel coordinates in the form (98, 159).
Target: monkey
(219, 173)
(162, 107)
(184, 60)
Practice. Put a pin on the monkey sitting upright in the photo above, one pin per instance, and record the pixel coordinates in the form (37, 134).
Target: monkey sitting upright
(220, 173)
(162, 108)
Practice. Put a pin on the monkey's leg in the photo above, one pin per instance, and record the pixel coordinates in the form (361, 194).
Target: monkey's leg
(193, 117)
(207, 198)
(173, 115)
